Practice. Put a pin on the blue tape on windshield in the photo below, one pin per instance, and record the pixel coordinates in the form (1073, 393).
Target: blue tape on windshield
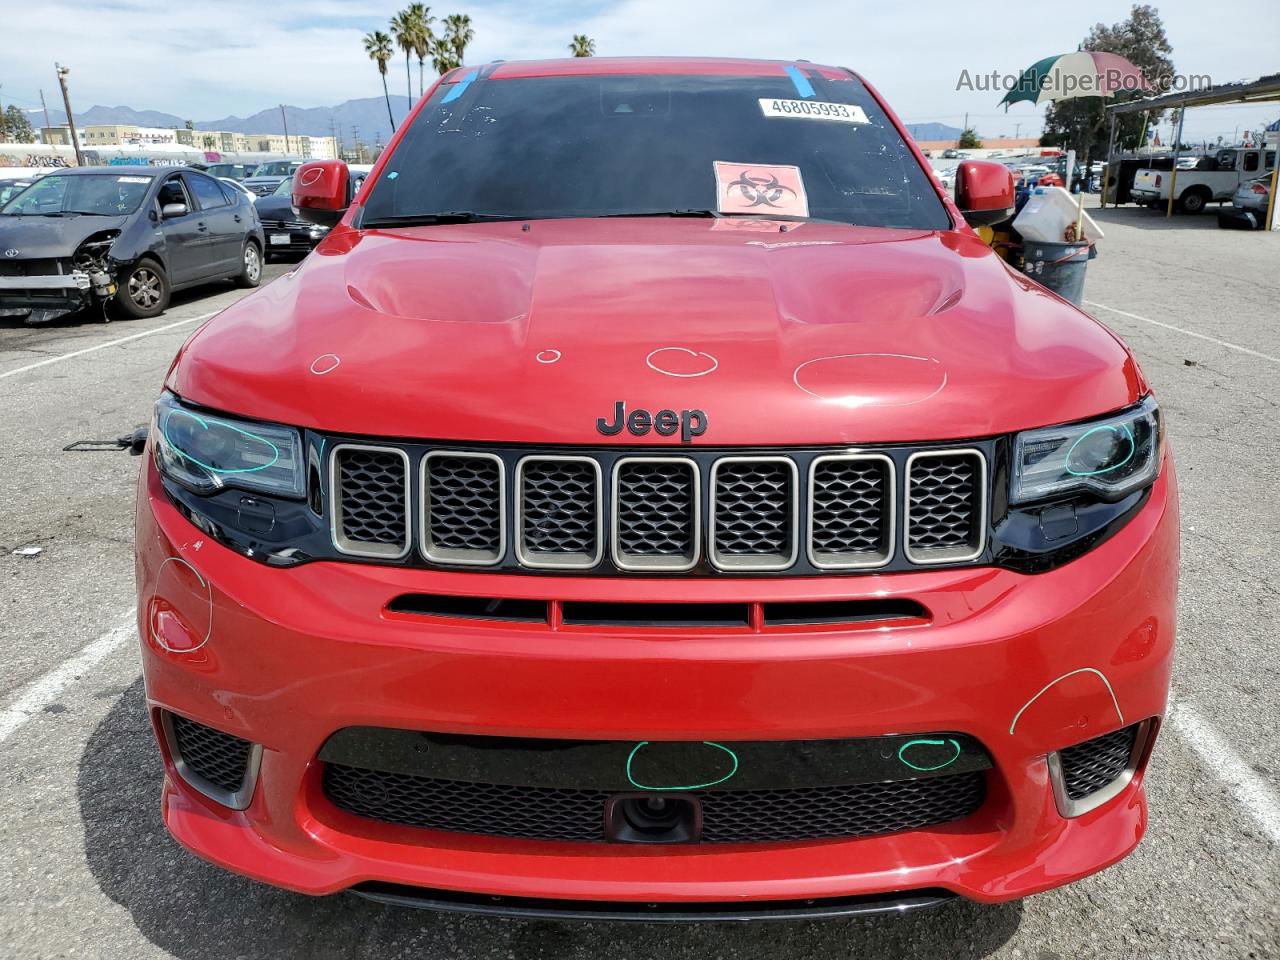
(800, 81)
(459, 88)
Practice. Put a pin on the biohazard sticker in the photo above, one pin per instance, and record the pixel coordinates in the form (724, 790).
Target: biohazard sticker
(762, 189)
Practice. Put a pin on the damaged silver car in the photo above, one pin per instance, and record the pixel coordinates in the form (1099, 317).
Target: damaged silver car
(122, 239)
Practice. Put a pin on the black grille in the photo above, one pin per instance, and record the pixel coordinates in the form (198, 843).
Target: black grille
(748, 816)
(944, 507)
(656, 513)
(464, 507)
(1088, 767)
(559, 503)
(218, 757)
(35, 267)
(371, 502)
(754, 513)
(851, 512)
(462, 807)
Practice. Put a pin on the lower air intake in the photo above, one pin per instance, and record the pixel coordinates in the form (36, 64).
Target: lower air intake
(745, 816)
(221, 766)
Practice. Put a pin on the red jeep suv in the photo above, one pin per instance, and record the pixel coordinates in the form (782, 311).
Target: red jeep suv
(653, 499)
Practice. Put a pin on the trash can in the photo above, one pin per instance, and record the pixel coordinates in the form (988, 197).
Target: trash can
(1059, 266)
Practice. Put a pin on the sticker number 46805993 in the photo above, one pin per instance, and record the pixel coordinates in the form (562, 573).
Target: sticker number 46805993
(813, 110)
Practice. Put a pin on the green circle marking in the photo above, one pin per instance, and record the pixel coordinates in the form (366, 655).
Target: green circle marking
(205, 423)
(693, 786)
(931, 743)
(1122, 429)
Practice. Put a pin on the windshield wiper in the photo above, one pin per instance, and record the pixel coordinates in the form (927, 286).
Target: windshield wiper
(446, 216)
(690, 212)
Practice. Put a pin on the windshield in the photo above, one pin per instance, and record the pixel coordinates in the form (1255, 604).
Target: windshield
(233, 170)
(94, 194)
(591, 146)
(277, 168)
(285, 189)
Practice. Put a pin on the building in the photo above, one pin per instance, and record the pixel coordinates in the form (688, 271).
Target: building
(56, 135)
(210, 141)
(116, 134)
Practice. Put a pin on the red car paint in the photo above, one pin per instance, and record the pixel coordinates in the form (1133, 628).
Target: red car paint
(494, 333)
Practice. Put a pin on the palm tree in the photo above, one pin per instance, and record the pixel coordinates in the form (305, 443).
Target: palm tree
(378, 46)
(420, 16)
(443, 59)
(457, 30)
(582, 46)
(405, 32)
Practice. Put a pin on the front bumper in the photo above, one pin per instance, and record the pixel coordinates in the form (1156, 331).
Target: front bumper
(285, 657)
(43, 298)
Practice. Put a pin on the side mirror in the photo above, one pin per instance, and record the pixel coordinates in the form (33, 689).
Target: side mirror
(984, 192)
(322, 191)
(170, 210)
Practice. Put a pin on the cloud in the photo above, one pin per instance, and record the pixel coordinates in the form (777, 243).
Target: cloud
(240, 56)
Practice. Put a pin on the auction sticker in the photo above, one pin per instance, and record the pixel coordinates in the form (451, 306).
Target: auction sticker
(763, 189)
(813, 110)
(133, 179)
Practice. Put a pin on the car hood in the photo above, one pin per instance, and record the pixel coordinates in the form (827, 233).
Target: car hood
(40, 237)
(816, 334)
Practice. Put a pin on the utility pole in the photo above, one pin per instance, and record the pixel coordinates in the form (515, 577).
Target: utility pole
(66, 102)
(45, 107)
(4, 124)
(966, 127)
(285, 121)
(1017, 130)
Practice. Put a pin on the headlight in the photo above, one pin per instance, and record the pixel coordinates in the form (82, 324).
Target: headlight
(1111, 457)
(206, 453)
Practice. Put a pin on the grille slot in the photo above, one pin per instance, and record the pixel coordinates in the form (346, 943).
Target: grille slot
(745, 816)
(370, 492)
(786, 612)
(656, 513)
(1090, 766)
(219, 765)
(558, 512)
(576, 612)
(754, 511)
(946, 506)
(462, 508)
(851, 514)
(470, 608)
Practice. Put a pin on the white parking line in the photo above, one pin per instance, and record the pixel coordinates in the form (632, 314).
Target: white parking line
(45, 690)
(1251, 792)
(1190, 333)
(103, 346)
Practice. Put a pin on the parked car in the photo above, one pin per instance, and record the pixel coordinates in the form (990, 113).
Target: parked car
(951, 154)
(285, 231)
(945, 177)
(594, 526)
(10, 187)
(1248, 208)
(240, 188)
(267, 176)
(231, 171)
(1214, 178)
(124, 237)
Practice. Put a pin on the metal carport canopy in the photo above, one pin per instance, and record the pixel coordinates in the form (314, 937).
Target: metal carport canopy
(1241, 91)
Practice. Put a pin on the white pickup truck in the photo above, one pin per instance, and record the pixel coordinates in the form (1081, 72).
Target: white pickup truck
(1214, 177)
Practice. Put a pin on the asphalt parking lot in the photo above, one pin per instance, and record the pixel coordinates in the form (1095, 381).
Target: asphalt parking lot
(89, 871)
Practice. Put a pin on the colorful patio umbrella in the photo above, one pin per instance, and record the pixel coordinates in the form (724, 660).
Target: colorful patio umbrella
(1079, 74)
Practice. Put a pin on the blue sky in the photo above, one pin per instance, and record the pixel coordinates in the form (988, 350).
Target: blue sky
(203, 61)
